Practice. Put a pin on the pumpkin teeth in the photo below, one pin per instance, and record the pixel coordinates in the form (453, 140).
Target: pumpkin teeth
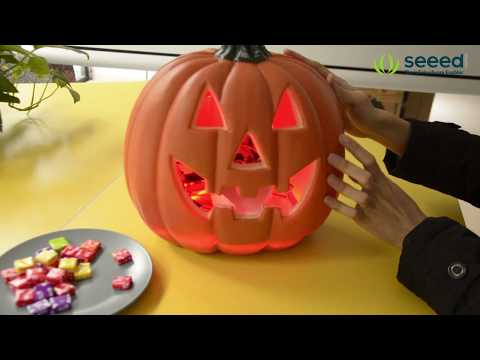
(195, 187)
(245, 207)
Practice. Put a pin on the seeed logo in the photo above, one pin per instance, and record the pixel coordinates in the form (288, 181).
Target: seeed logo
(381, 68)
(446, 65)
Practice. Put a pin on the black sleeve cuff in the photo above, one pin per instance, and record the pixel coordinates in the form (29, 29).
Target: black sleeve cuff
(428, 251)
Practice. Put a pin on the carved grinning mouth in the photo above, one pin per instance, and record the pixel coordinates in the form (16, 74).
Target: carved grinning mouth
(195, 187)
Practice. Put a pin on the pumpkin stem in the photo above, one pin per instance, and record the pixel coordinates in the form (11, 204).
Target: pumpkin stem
(244, 53)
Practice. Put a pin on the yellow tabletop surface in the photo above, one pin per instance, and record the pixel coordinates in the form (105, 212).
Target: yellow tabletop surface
(63, 169)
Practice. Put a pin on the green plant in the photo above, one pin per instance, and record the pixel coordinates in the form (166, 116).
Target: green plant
(15, 62)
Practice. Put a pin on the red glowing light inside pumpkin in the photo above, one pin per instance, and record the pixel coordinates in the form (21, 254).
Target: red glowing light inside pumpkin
(195, 187)
(297, 190)
(209, 112)
(247, 153)
(287, 115)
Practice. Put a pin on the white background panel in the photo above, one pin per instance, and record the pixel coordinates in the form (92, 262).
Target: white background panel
(355, 56)
(361, 56)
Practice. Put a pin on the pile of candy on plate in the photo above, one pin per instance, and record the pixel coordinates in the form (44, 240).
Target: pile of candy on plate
(45, 283)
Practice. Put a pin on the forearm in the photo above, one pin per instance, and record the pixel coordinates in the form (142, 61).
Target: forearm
(439, 156)
(389, 130)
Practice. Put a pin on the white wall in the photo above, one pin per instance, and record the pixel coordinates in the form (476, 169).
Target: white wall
(461, 109)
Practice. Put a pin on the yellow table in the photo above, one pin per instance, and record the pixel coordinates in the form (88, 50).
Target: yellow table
(64, 170)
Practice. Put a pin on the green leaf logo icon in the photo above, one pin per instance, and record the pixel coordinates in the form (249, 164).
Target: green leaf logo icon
(380, 66)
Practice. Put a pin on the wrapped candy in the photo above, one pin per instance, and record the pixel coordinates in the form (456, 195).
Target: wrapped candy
(61, 303)
(92, 245)
(58, 244)
(69, 277)
(122, 256)
(85, 255)
(68, 264)
(24, 297)
(36, 275)
(42, 250)
(20, 282)
(41, 307)
(47, 257)
(69, 251)
(247, 152)
(65, 288)
(41, 266)
(23, 264)
(122, 283)
(43, 291)
(9, 274)
(84, 271)
(56, 276)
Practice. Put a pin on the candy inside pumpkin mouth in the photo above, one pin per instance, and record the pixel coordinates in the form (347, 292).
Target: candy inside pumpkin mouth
(195, 187)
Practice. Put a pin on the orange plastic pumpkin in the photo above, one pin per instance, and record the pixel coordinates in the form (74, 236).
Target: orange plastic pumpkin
(227, 151)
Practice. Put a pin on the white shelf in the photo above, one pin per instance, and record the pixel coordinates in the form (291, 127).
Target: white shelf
(354, 56)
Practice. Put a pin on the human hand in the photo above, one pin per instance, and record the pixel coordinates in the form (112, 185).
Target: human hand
(383, 208)
(361, 118)
(360, 114)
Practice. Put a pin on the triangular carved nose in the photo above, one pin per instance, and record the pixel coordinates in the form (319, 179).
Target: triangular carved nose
(247, 154)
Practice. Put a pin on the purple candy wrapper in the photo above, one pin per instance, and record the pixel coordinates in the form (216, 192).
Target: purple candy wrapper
(60, 303)
(43, 291)
(41, 307)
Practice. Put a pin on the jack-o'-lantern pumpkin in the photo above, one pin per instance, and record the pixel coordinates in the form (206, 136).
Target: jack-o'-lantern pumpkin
(227, 151)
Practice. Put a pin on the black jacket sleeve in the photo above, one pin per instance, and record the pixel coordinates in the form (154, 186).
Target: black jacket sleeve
(445, 158)
(442, 157)
(428, 254)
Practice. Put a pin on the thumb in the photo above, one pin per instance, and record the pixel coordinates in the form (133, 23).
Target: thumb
(346, 95)
(316, 65)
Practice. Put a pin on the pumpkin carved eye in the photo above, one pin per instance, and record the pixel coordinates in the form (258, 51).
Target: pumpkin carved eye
(209, 113)
(287, 115)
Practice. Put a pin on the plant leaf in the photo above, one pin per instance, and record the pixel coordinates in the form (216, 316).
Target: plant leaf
(75, 95)
(18, 71)
(9, 98)
(6, 85)
(9, 59)
(60, 79)
(39, 66)
(15, 48)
